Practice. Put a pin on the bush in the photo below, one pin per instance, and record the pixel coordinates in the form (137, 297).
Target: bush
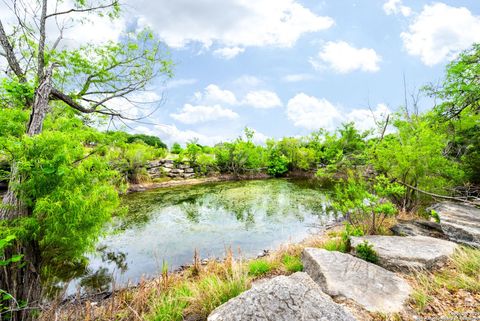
(366, 252)
(176, 149)
(292, 263)
(259, 267)
(277, 163)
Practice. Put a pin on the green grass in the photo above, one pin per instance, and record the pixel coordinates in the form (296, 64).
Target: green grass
(336, 244)
(292, 263)
(259, 267)
(197, 297)
(366, 252)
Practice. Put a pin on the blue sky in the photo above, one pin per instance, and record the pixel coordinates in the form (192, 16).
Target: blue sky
(288, 67)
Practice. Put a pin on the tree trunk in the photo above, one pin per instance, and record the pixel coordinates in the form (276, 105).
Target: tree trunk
(24, 283)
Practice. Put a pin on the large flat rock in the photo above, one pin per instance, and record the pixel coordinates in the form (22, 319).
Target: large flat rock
(461, 223)
(344, 275)
(409, 253)
(282, 299)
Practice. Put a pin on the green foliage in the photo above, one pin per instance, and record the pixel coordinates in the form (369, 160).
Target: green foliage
(415, 156)
(366, 252)
(365, 203)
(435, 216)
(259, 267)
(205, 163)
(192, 152)
(176, 148)
(240, 156)
(5, 242)
(153, 141)
(277, 164)
(292, 263)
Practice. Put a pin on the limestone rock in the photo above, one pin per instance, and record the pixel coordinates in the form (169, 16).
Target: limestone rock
(189, 170)
(461, 223)
(409, 253)
(343, 275)
(282, 299)
(418, 227)
(188, 175)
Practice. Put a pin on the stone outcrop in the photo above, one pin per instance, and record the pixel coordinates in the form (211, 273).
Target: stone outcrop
(409, 253)
(461, 223)
(343, 275)
(294, 298)
(167, 168)
(418, 227)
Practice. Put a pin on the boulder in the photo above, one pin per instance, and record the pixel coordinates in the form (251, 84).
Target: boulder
(461, 223)
(190, 175)
(168, 165)
(176, 171)
(409, 253)
(369, 285)
(282, 299)
(189, 170)
(418, 227)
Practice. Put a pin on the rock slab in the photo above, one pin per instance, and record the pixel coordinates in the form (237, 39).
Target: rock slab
(461, 223)
(408, 253)
(294, 298)
(343, 275)
(418, 227)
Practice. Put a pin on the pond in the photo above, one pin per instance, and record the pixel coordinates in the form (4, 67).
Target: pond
(166, 226)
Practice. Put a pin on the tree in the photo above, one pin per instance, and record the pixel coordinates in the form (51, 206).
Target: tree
(41, 75)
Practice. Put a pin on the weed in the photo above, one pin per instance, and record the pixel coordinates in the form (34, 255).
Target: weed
(292, 263)
(259, 267)
(366, 252)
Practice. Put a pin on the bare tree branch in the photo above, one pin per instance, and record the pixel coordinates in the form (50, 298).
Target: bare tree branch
(114, 3)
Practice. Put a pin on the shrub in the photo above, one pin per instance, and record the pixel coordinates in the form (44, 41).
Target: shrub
(176, 149)
(292, 263)
(259, 267)
(366, 252)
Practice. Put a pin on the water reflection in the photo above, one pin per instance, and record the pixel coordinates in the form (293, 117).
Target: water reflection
(169, 224)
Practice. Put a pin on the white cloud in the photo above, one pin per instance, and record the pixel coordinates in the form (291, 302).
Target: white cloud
(228, 52)
(312, 113)
(234, 23)
(395, 7)
(262, 99)
(440, 32)
(344, 58)
(213, 94)
(297, 77)
(171, 134)
(365, 119)
(190, 114)
(248, 81)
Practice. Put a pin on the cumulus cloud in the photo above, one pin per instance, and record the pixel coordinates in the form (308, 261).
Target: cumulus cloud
(440, 32)
(344, 58)
(213, 94)
(234, 23)
(190, 114)
(366, 119)
(262, 99)
(228, 52)
(297, 77)
(171, 134)
(312, 113)
(396, 7)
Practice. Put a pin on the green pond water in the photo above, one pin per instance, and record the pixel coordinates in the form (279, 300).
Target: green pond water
(167, 225)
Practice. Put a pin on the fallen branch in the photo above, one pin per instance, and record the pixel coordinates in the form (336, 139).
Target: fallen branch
(453, 198)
